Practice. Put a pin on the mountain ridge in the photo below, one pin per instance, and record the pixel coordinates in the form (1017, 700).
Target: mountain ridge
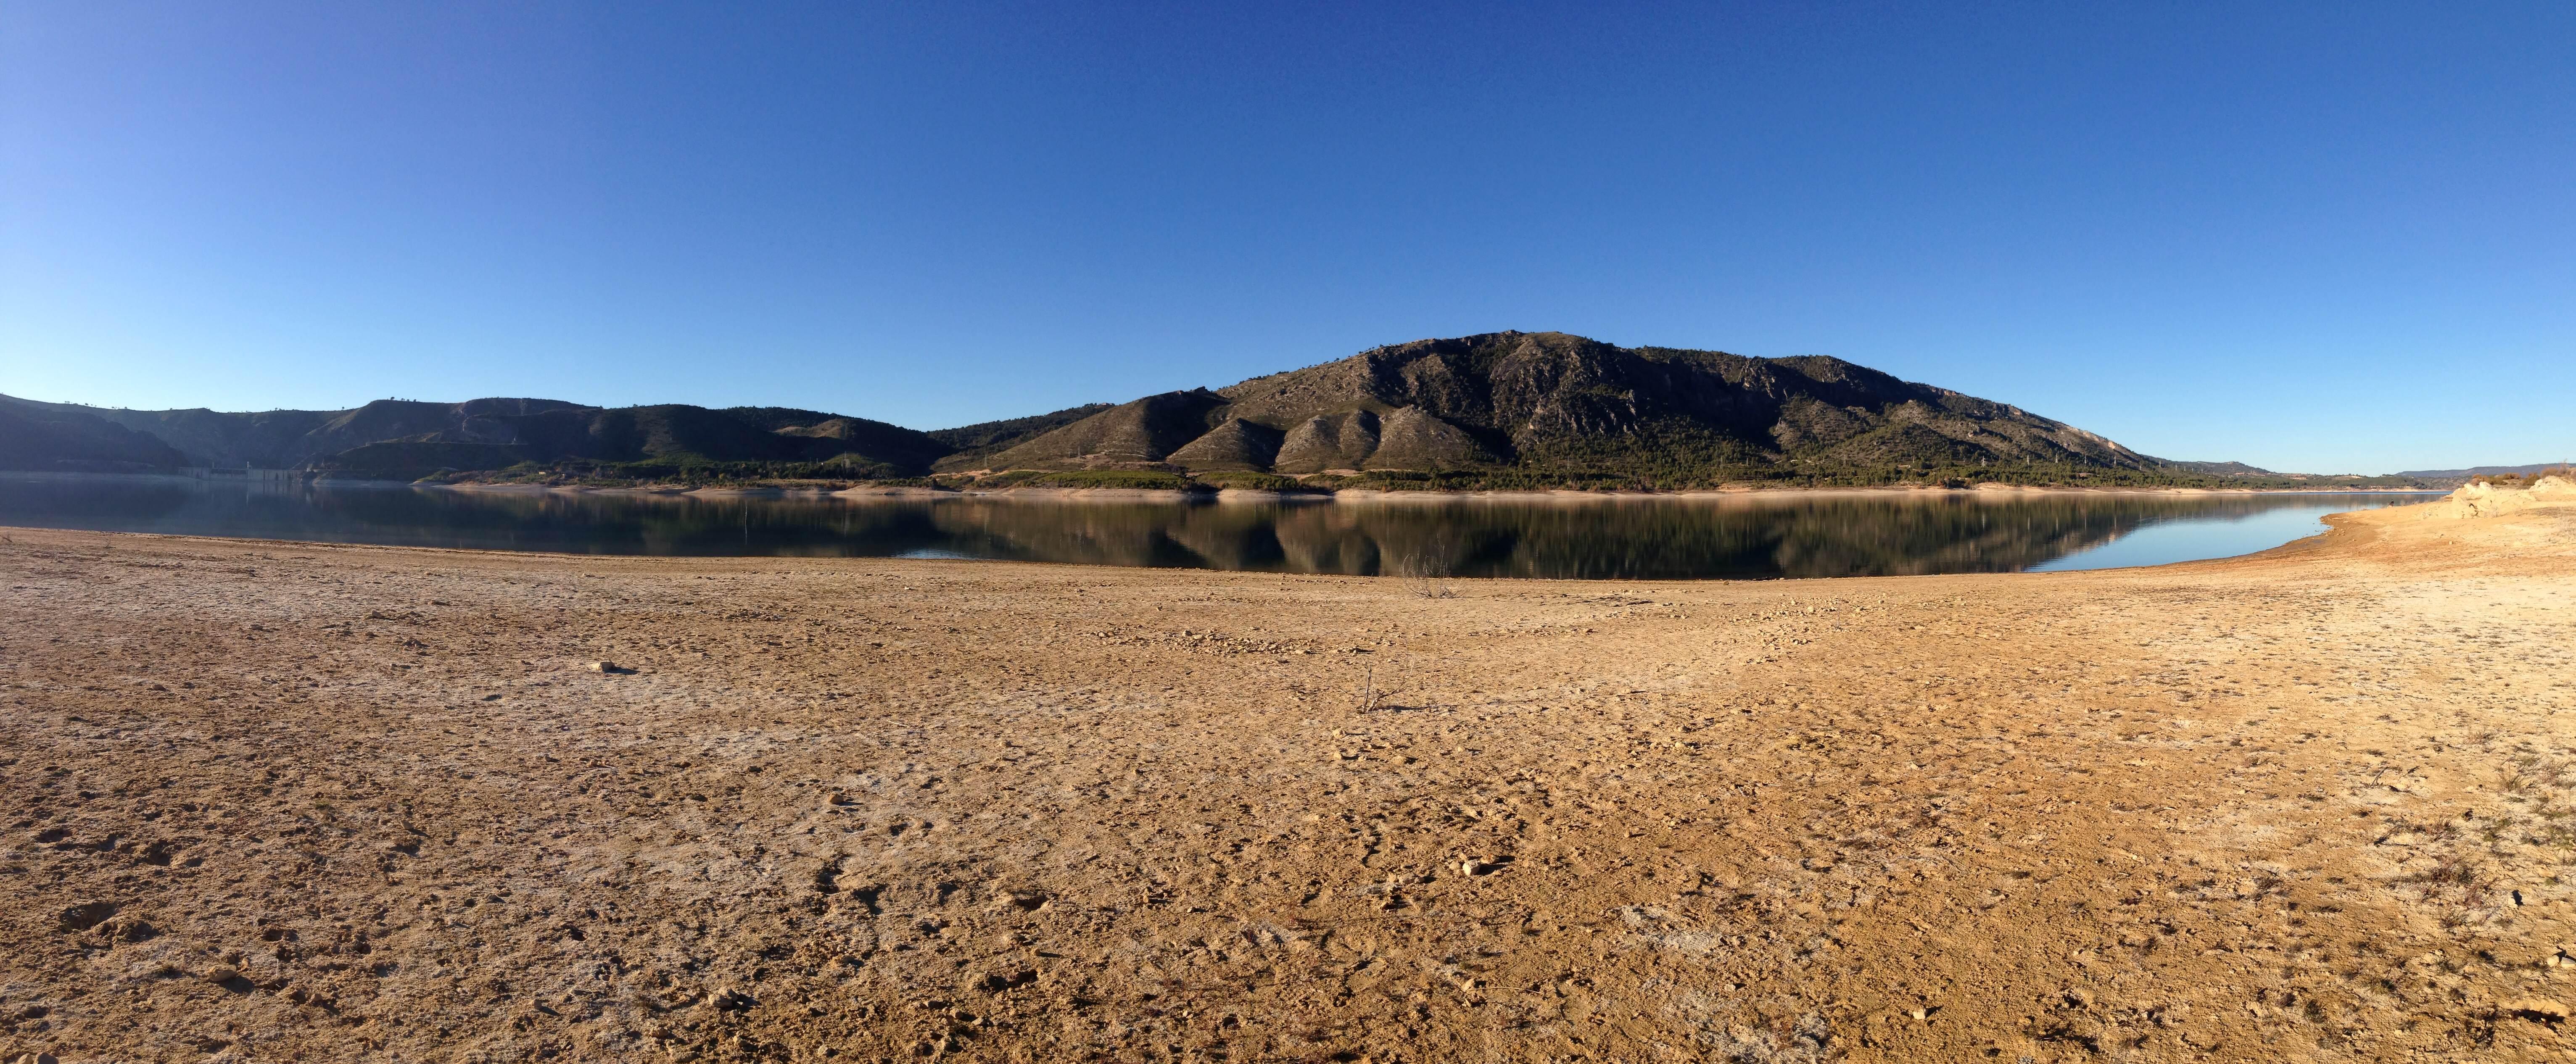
(410, 438)
(2483, 471)
(1495, 409)
(1562, 402)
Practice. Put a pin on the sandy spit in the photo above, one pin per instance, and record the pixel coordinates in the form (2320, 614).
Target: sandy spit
(274, 801)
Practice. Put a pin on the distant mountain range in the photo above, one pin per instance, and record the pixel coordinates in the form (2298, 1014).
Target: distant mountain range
(1546, 404)
(2482, 471)
(2222, 469)
(393, 437)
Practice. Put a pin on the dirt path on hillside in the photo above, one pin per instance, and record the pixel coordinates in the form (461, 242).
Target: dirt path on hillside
(271, 801)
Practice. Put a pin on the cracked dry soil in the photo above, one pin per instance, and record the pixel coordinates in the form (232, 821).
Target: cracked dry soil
(269, 801)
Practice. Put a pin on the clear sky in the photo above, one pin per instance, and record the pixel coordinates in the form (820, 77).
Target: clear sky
(2330, 237)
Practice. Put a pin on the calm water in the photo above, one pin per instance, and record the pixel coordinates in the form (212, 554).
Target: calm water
(1734, 538)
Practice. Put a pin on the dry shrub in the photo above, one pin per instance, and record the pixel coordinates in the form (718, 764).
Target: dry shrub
(1425, 569)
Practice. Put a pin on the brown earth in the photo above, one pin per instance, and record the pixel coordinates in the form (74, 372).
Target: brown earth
(269, 801)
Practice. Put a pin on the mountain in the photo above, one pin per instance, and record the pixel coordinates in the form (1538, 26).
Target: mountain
(1497, 409)
(1562, 403)
(206, 437)
(490, 434)
(407, 439)
(972, 442)
(35, 436)
(2222, 469)
(2482, 471)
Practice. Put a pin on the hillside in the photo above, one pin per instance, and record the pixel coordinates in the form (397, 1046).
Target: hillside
(974, 442)
(1496, 410)
(37, 437)
(1560, 404)
(405, 439)
(490, 434)
(206, 437)
(2222, 469)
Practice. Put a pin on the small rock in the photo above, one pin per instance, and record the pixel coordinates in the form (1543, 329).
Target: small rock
(605, 667)
(222, 975)
(86, 915)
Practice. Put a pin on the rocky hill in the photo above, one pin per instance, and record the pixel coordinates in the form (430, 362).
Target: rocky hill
(406, 439)
(1564, 403)
(970, 443)
(1498, 409)
(2222, 469)
(37, 437)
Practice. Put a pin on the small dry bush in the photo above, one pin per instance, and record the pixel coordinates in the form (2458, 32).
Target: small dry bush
(1425, 570)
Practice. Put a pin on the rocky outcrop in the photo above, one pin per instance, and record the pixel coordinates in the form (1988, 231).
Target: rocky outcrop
(1549, 399)
(1410, 438)
(975, 445)
(1405, 438)
(1143, 432)
(1334, 441)
(2489, 499)
(1235, 444)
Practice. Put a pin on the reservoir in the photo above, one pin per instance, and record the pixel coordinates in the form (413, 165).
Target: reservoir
(1744, 536)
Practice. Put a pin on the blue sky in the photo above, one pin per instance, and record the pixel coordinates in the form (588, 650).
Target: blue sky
(2330, 237)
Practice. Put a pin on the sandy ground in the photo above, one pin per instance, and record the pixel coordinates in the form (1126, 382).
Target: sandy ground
(271, 801)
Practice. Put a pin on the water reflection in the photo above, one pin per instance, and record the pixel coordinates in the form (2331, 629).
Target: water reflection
(1757, 537)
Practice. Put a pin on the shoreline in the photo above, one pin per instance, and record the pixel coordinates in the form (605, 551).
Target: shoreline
(1241, 495)
(1428, 495)
(1141, 513)
(581, 807)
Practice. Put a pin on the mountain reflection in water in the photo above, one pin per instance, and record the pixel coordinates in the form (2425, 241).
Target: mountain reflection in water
(1734, 537)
